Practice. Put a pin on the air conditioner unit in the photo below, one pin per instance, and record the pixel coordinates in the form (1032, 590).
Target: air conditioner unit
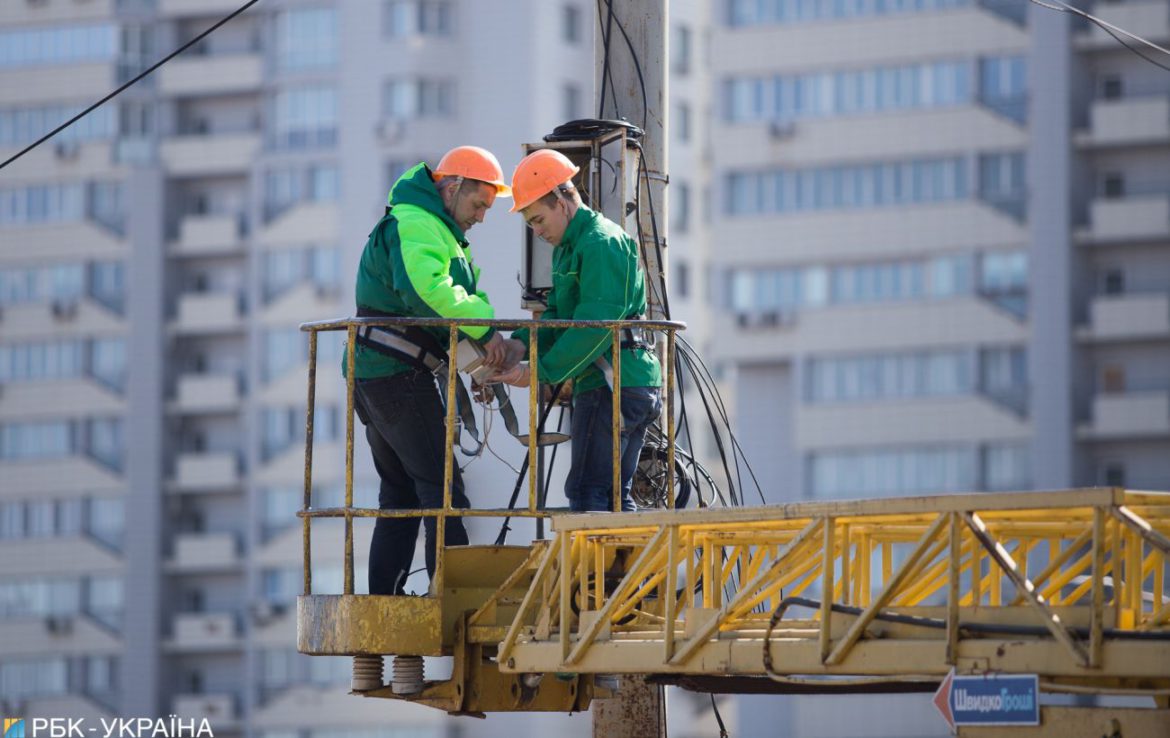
(781, 130)
(328, 291)
(64, 309)
(59, 625)
(67, 150)
(390, 130)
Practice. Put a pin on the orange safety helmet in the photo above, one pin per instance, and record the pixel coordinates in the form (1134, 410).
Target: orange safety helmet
(538, 174)
(472, 162)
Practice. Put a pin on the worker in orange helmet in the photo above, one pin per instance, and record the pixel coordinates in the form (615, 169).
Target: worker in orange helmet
(417, 263)
(596, 276)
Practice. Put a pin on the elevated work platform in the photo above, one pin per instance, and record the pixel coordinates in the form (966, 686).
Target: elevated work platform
(1069, 585)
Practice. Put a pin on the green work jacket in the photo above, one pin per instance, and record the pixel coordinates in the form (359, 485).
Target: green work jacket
(596, 276)
(417, 264)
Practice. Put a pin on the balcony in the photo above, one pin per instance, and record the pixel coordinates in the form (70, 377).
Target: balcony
(204, 632)
(219, 709)
(1151, 19)
(208, 235)
(1128, 415)
(207, 393)
(1134, 316)
(211, 75)
(201, 471)
(201, 552)
(208, 312)
(1135, 218)
(210, 154)
(180, 8)
(1130, 121)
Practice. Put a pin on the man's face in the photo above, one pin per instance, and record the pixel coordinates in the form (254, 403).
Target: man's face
(469, 204)
(547, 222)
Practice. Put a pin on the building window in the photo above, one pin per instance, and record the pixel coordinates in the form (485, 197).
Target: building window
(306, 38)
(1007, 467)
(1003, 375)
(1003, 85)
(403, 18)
(106, 443)
(22, 126)
(680, 50)
(39, 204)
(682, 122)
(747, 13)
(571, 24)
(682, 277)
(892, 471)
(37, 440)
(875, 377)
(65, 44)
(404, 99)
(1002, 184)
(849, 187)
(1003, 278)
(23, 679)
(570, 101)
(849, 92)
(681, 207)
(305, 117)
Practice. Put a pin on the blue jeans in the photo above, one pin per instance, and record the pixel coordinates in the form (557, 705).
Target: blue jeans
(589, 485)
(404, 421)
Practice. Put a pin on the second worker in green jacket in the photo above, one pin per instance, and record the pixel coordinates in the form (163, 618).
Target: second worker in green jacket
(596, 276)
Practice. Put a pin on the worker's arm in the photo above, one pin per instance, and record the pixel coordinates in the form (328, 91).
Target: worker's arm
(424, 281)
(606, 281)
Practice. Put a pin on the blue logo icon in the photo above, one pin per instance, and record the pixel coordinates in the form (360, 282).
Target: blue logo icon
(13, 727)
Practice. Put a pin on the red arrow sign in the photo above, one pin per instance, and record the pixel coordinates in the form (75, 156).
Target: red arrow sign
(942, 700)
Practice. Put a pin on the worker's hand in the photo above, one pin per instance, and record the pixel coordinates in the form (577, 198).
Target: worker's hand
(495, 352)
(482, 393)
(514, 351)
(517, 376)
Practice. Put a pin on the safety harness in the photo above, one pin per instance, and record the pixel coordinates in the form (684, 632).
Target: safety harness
(419, 349)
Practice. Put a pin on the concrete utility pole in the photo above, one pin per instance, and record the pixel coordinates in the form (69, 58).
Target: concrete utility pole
(639, 710)
(646, 23)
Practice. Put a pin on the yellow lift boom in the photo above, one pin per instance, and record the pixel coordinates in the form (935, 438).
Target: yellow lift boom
(877, 595)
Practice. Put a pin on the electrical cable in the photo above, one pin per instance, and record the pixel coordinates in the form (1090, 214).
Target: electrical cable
(539, 429)
(606, 75)
(719, 718)
(1063, 7)
(118, 91)
(637, 65)
(941, 624)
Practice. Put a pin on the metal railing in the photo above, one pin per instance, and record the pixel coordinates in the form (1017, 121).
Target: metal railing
(532, 510)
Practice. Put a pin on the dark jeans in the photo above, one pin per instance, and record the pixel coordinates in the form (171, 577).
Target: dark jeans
(589, 485)
(404, 417)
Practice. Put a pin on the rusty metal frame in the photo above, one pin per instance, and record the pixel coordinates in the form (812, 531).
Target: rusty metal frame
(348, 512)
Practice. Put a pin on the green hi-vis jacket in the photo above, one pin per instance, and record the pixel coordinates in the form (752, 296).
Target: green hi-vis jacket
(596, 276)
(417, 264)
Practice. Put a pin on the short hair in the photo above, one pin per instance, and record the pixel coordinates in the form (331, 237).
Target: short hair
(465, 183)
(566, 190)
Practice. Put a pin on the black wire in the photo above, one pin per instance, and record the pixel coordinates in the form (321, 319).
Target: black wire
(1134, 49)
(737, 448)
(116, 92)
(606, 74)
(1066, 8)
(503, 535)
(551, 462)
(718, 718)
(637, 65)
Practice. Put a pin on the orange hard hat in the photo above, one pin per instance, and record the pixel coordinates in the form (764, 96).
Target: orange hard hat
(472, 162)
(538, 174)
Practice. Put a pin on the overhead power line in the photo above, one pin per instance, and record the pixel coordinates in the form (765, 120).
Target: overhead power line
(125, 86)
(1112, 30)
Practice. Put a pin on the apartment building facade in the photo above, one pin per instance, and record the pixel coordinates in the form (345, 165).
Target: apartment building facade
(944, 258)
